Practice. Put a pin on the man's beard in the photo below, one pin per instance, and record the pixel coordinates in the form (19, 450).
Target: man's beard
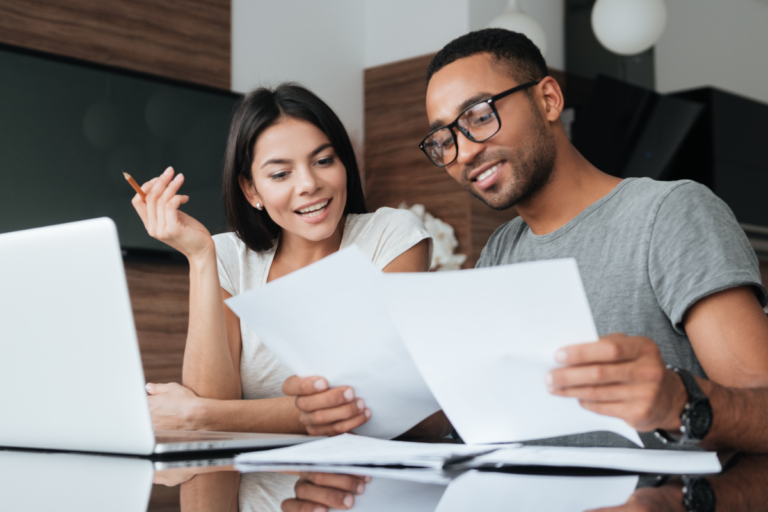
(532, 167)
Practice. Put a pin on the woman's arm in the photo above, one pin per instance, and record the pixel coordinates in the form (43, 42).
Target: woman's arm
(209, 369)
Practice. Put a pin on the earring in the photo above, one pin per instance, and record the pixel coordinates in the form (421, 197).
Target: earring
(259, 207)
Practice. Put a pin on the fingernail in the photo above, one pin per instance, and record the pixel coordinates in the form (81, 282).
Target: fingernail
(360, 404)
(148, 387)
(561, 356)
(548, 379)
(367, 413)
(349, 500)
(367, 479)
(168, 171)
(153, 180)
(178, 177)
(360, 488)
(349, 394)
(321, 385)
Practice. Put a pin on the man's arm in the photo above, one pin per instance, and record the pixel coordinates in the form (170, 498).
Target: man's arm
(729, 334)
(625, 377)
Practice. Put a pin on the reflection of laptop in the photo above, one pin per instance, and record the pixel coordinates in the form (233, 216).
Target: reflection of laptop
(70, 372)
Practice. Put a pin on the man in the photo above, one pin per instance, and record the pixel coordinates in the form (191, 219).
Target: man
(663, 263)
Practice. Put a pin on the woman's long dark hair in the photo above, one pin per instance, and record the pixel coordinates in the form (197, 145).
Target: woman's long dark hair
(259, 110)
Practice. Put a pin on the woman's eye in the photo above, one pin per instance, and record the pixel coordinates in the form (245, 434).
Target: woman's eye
(325, 162)
(279, 175)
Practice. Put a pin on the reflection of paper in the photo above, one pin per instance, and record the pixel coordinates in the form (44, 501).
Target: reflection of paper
(419, 475)
(492, 492)
(624, 459)
(349, 450)
(387, 495)
(484, 340)
(328, 319)
(61, 481)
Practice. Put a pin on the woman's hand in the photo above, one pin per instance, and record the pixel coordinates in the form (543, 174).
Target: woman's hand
(321, 491)
(173, 407)
(323, 411)
(163, 220)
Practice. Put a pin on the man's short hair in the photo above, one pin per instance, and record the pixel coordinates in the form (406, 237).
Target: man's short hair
(511, 50)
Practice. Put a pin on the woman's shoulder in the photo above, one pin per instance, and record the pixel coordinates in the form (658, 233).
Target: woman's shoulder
(383, 219)
(384, 234)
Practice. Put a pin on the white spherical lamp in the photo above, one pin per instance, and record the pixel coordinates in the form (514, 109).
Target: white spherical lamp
(628, 27)
(517, 21)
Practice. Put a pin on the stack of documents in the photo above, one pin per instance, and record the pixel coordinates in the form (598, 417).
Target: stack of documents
(351, 450)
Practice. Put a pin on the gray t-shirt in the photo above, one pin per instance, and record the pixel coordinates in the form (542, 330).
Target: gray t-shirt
(647, 252)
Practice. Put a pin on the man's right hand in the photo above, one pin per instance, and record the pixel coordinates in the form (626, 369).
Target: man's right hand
(324, 411)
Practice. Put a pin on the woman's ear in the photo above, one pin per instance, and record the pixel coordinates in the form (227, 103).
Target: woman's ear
(249, 190)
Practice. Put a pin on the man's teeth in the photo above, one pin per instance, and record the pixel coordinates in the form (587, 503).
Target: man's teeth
(314, 210)
(488, 172)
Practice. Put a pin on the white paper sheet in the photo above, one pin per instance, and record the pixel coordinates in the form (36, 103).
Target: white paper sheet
(418, 475)
(673, 462)
(501, 492)
(484, 340)
(328, 319)
(350, 450)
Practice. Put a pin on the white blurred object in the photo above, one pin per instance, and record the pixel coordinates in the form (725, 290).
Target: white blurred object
(629, 27)
(516, 20)
(443, 240)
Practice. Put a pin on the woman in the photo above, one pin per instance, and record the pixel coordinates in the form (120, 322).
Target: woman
(293, 195)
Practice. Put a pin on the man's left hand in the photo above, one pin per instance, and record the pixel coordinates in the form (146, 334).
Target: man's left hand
(624, 377)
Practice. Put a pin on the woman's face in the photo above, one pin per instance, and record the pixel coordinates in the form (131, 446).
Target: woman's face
(298, 179)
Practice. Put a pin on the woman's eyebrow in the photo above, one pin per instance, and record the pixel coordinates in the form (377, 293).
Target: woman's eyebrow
(279, 161)
(320, 148)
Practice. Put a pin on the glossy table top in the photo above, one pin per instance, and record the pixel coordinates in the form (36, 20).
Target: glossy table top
(38, 481)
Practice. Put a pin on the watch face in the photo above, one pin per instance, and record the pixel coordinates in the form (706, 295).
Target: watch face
(699, 419)
(699, 496)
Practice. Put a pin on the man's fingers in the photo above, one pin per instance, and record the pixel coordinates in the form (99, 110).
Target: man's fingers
(335, 414)
(292, 505)
(610, 348)
(350, 483)
(645, 371)
(296, 385)
(605, 393)
(328, 496)
(326, 399)
(339, 427)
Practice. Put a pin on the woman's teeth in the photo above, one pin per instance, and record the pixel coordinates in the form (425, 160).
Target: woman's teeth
(488, 172)
(314, 210)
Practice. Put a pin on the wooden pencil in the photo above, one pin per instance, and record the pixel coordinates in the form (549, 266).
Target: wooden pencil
(135, 185)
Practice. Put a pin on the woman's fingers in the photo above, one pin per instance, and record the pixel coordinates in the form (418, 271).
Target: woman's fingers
(335, 414)
(340, 427)
(138, 202)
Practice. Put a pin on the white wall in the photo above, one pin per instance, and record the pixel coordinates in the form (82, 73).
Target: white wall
(723, 43)
(549, 13)
(326, 44)
(319, 44)
(400, 29)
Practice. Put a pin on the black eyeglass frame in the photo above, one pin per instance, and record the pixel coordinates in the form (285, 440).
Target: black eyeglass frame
(455, 124)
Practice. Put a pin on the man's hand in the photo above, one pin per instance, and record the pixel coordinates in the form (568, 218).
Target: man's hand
(624, 377)
(172, 406)
(317, 492)
(323, 411)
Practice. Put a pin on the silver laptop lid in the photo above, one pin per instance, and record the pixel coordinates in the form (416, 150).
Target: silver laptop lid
(70, 369)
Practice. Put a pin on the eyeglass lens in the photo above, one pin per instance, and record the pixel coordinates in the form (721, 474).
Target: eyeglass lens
(477, 124)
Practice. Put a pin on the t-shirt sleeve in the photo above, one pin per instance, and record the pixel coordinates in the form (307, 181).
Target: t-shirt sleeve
(697, 248)
(391, 233)
(227, 262)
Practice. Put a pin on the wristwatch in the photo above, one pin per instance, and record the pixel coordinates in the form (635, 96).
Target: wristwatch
(696, 418)
(698, 495)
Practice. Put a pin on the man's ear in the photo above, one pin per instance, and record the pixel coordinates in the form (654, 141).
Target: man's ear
(552, 97)
(249, 190)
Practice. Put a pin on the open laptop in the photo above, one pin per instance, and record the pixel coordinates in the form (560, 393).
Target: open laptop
(70, 371)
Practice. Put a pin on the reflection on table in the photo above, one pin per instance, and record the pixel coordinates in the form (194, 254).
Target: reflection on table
(37, 481)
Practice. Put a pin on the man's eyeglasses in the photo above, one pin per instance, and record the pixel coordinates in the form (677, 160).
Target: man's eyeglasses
(478, 123)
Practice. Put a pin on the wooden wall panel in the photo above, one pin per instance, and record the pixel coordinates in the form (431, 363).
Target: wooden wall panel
(160, 300)
(182, 39)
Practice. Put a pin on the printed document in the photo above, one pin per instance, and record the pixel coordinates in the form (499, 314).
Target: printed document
(329, 319)
(484, 339)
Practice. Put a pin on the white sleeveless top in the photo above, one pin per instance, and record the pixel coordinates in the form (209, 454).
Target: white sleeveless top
(383, 236)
